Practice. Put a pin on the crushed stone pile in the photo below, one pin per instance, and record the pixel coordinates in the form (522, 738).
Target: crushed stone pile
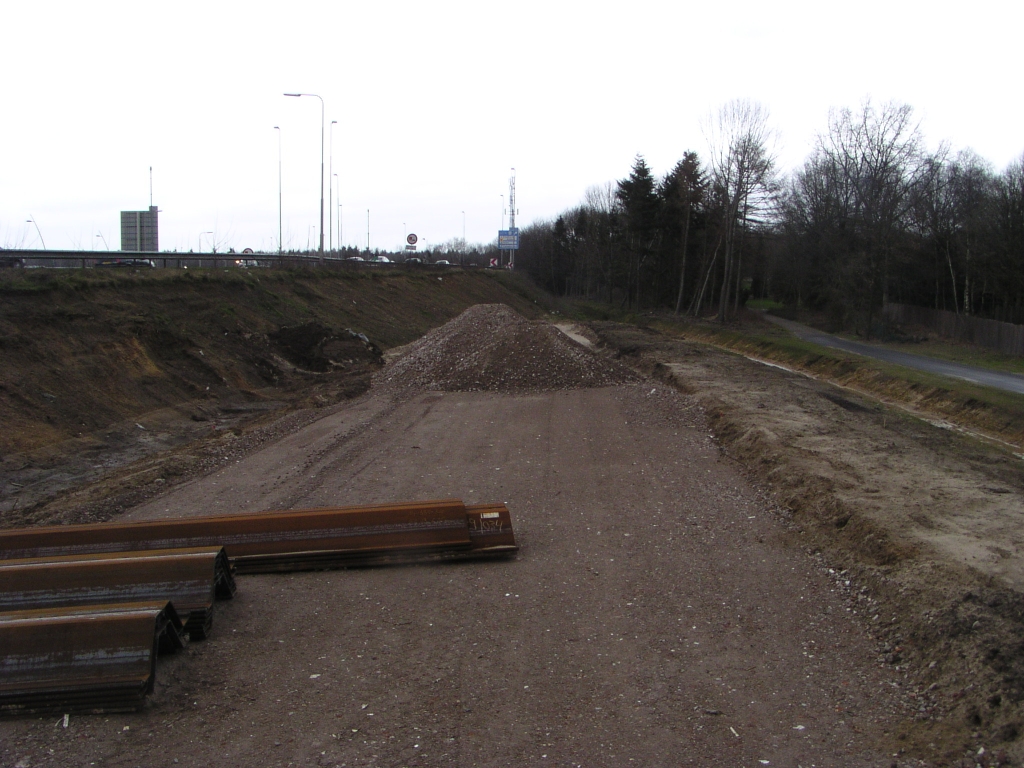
(491, 347)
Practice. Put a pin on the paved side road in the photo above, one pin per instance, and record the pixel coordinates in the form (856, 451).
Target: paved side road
(1008, 382)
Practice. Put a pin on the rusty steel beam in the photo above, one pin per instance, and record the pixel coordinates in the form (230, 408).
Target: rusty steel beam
(490, 531)
(92, 659)
(189, 578)
(306, 539)
(409, 527)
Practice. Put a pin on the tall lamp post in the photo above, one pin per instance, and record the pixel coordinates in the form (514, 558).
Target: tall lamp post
(337, 182)
(330, 193)
(321, 168)
(32, 220)
(201, 240)
(280, 244)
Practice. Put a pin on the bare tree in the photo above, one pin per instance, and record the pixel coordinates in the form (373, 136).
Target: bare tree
(601, 198)
(1010, 236)
(602, 206)
(856, 200)
(743, 172)
(876, 156)
(935, 211)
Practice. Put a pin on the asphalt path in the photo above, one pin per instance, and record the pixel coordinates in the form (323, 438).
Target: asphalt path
(1008, 382)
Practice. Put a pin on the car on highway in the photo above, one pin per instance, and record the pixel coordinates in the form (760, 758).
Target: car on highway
(8, 262)
(125, 263)
(414, 260)
(442, 263)
(246, 263)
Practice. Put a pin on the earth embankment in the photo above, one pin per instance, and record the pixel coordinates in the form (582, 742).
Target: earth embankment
(102, 369)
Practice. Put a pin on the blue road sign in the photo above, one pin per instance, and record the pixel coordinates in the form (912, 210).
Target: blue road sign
(508, 239)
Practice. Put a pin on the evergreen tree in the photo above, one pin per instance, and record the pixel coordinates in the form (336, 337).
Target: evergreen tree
(641, 206)
(681, 192)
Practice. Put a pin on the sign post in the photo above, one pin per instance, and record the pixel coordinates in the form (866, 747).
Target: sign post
(508, 239)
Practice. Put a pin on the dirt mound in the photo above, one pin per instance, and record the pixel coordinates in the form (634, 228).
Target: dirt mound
(491, 347)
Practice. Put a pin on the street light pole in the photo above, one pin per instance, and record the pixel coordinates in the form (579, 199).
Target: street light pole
(330, 193)
(500, 257)
(338, 185)
(280, 244)
(32, 219)
(321, 168)
(201, 240)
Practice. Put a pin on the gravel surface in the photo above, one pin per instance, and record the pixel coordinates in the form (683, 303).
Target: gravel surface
(655, 615)
(491, 347)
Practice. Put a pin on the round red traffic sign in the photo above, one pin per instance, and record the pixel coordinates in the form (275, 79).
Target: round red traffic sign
(411, 239)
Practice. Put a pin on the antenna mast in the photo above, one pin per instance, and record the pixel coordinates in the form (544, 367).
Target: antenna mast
(512, 215)
(512, 200)
(508, 239)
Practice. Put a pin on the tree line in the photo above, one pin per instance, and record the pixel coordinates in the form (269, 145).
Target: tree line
(871, 217)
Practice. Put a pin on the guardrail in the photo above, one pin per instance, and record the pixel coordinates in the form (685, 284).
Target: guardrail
(30, 259)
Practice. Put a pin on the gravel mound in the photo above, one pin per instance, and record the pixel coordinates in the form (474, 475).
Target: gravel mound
(491, 347)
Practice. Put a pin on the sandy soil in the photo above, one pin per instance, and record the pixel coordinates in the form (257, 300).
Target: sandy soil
(954, 496)
(659, 612)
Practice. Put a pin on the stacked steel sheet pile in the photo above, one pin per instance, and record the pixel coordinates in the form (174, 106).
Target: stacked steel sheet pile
(75, 635)
(81, 632)
(191, 579)
(93, 658)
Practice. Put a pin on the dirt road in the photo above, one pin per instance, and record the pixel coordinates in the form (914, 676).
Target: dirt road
(657, 613)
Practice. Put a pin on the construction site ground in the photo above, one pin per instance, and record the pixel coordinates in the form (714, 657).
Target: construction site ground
(722, 563)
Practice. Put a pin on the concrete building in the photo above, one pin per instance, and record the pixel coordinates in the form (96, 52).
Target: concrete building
(140, 230)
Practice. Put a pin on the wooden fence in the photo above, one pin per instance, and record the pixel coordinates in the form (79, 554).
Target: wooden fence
(1004, 337)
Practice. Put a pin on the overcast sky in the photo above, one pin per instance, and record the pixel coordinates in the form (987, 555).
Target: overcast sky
(437, 101)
